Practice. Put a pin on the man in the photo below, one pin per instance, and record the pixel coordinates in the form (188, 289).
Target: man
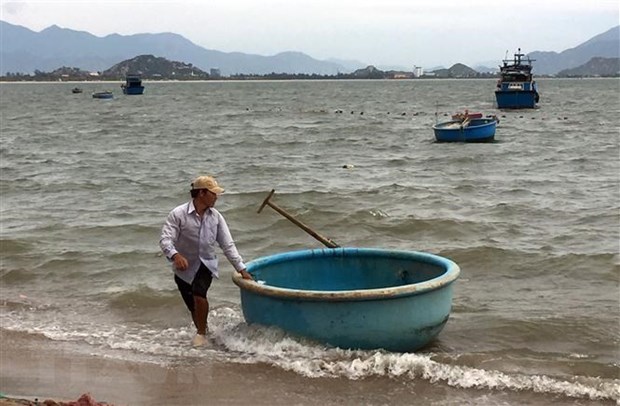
(188, 240)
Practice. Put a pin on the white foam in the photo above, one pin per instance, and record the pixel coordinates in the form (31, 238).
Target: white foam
(235, 341)
(272, 346)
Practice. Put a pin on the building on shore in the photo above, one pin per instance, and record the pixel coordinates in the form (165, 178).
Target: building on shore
(215, 73)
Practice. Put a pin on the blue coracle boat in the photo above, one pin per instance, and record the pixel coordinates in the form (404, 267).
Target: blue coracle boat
(133, 85)
(354, 298)
(468, 130)
(516, 88)
(103, 95)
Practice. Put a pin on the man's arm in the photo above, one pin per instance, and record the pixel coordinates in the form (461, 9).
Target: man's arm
(227, 244)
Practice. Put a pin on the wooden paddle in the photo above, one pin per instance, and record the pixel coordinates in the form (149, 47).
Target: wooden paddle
(326, 241)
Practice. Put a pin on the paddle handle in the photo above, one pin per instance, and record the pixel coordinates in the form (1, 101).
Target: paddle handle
(326, 241)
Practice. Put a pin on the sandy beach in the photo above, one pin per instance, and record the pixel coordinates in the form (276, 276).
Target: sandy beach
(35, 370)
(39, 369)
(45, 370)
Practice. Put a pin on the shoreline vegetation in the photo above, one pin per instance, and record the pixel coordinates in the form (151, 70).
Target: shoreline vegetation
(45, 79)
(270, 77)
(48, 77)
(265, 79)
(154, 68)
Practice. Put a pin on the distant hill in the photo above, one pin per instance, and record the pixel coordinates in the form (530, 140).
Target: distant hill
(605, 67)
(456, 71)
(605, 45)
(369, 72)
(348, 65)
(151, 67)
(486, 69)
(23, 50)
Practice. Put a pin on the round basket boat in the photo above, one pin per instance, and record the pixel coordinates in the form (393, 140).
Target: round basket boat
(356, 298)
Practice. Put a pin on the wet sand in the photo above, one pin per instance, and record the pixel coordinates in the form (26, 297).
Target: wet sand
(33, 367)
(36, 368)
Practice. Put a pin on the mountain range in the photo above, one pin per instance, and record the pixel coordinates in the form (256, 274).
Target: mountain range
(605, 45)
(23, 50)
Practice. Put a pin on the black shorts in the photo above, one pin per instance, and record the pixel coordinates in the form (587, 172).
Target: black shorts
(198, 287)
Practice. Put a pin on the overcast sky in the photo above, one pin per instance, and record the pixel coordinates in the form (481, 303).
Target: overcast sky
(426, 33)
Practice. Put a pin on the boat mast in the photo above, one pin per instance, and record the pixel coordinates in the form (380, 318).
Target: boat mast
(518, 56)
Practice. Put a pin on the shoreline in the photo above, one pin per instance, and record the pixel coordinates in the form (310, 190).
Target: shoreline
(150, 81)
(33, 367)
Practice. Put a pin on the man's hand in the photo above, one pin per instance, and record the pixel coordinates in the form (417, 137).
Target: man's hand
(180, 262)
(246, 275)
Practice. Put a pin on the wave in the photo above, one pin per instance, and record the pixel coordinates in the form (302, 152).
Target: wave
(272, 346)
(11, 246)
(142, 297)
(238, 342)
(17, 276)
(412, 367)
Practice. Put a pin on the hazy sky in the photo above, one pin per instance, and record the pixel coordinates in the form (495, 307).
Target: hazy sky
(426, 33)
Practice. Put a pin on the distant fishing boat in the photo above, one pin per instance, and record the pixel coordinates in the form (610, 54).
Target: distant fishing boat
(132, 85)
(76, 90)
(516, 88)
(103, 95)
(466, 130)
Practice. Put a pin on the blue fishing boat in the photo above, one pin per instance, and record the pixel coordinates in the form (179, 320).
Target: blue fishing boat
(466, 130)
(133, 85)
(356, 298)
(516, 88)
(103, 95)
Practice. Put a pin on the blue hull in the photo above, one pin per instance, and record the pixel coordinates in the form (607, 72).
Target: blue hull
(133, 84)
(516, 99)
(352, 297)
(477, 130)
(133, 90)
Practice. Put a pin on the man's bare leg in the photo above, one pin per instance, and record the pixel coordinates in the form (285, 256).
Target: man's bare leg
(201, 312)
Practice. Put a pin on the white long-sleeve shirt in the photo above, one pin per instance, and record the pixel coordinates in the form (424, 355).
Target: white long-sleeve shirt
(194, 237)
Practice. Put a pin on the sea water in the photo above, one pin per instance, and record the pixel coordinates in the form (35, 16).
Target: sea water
(532, 219)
